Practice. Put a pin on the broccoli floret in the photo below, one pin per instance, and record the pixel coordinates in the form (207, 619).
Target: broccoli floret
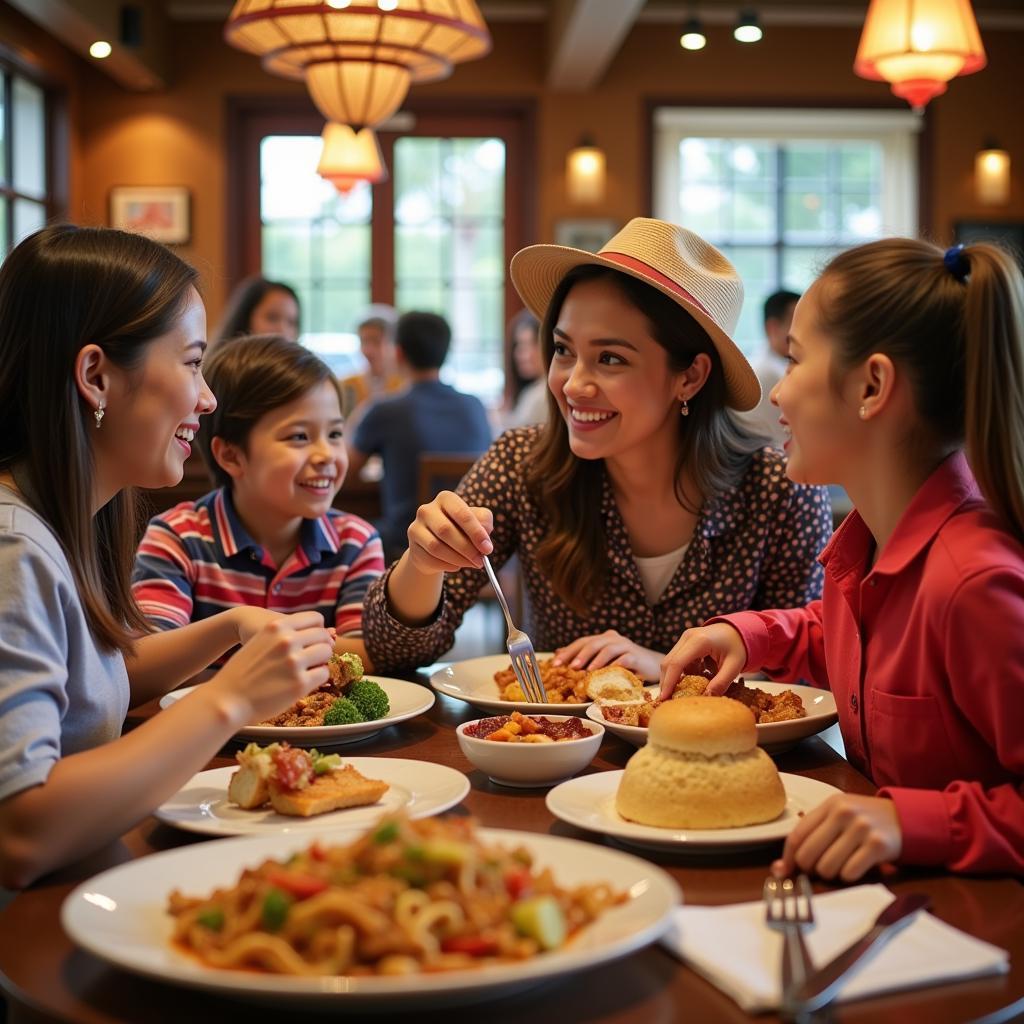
(370, 699)
(343, 712)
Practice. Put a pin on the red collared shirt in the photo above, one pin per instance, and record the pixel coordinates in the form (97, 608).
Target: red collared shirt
(925, 656)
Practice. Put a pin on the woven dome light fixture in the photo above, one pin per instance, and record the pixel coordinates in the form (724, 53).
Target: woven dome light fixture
(918, 46)
(359, 58)
(349, 157)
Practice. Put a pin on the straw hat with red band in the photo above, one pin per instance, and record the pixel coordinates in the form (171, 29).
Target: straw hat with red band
(678, 263)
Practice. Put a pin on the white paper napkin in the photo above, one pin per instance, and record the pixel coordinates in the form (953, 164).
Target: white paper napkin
(734, 949)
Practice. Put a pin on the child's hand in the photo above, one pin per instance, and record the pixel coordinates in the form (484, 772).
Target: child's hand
(283, 661)
(720, 642)
(448, 535)
(843, 838)
(610, 648)
(249, 621)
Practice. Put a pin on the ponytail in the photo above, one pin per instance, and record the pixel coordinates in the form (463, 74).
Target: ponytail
(994, 365)
(955, 323)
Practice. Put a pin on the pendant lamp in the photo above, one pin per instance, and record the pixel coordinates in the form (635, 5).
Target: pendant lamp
(349, 157)
(918, 46)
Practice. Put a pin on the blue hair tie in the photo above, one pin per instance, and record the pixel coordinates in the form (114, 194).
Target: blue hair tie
(957, 262)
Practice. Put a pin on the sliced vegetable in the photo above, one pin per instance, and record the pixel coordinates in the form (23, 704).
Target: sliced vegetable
(446, 852)
(471, 945)
(296, 883)
(541, 919)
(212, 918)
(274, 913)
(387, 833)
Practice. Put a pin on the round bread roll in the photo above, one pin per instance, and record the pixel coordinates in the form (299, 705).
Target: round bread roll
(701, 768)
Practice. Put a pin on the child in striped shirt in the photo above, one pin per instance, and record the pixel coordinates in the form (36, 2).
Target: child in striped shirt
(267, 536)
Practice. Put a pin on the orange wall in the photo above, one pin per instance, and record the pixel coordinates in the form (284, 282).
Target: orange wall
(177, 136)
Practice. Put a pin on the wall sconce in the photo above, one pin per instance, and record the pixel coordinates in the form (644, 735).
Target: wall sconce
(585, 173)
(992, 175)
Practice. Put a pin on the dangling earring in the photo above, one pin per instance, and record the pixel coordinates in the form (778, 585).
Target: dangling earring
(99, 413)
(684, 409)
(863, 412)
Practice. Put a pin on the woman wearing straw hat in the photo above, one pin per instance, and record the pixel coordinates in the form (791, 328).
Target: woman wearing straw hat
(640, 508)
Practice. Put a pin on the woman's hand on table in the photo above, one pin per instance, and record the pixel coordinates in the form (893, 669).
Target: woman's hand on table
(282, 661)
(719, 642)
(448, 535)
(843, 838)
(610, 648)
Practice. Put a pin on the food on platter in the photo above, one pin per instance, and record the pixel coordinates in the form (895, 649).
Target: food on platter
(518, 728)
(347, 697)
(407, 897)
(765, 707)
(701, 769)
(299, 782)
(562, 685)
(615, 683)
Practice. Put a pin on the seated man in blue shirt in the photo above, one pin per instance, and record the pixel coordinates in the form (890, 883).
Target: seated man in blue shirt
(428, 417)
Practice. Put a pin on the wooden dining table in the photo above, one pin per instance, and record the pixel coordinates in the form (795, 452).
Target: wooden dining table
(44, 977)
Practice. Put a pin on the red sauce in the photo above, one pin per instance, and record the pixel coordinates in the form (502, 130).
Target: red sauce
(571, 729)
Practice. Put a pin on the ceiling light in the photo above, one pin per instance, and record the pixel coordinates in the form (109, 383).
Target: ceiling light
(693, 37)
(747, 29)
(100, 49)
(919, 47)
(350, 157)
(359, 62)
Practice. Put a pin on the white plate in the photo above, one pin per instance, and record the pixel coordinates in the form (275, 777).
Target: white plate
(407, 700)
(473, 682)
(120, 917)
(775, 737)
(589, 802)
(417, 787)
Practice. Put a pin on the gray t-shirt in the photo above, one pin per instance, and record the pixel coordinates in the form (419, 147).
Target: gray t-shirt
(59, 692)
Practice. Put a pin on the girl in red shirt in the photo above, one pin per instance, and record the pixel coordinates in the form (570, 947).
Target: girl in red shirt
(906, 363)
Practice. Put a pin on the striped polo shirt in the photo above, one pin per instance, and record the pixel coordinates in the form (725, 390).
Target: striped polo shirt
(197, 560)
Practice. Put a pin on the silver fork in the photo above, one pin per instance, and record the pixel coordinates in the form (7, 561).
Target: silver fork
(520, 649)
(788, 909)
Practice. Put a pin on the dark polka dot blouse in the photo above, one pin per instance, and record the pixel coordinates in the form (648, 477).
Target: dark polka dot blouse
(754, 546)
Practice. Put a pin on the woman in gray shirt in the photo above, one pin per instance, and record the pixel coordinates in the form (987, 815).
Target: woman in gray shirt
(101, 341)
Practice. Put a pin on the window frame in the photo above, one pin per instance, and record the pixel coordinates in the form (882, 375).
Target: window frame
(250, 119)
(54, 199)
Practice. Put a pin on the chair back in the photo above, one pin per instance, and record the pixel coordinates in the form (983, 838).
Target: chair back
(440, 471)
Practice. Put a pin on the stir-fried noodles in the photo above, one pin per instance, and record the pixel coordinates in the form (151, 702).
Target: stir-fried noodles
(406, 897)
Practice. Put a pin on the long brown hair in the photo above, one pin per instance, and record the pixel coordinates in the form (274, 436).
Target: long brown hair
(61, 289)
(251, 375)
(713, 447)
(958, 329)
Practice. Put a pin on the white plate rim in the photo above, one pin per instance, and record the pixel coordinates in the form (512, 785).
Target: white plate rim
(770, 734)
(375, 767)
(599, 786)
(82, 910)
(440, 680)
(327, 735)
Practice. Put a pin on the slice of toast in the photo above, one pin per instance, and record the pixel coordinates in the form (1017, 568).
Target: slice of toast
(248, 788)
(614, 683)
(344, 787)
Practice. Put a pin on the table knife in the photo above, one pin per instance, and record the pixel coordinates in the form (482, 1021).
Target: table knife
(824, 984)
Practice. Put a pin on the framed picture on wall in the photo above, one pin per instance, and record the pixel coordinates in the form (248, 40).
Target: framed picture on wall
(160, 212)
(589, 233)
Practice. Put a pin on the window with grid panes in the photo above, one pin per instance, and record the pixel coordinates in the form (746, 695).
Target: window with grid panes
(448, 247)
(24, 180)
(781, 192)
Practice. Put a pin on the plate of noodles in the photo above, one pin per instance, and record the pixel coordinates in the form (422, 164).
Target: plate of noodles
(406, 700)
(818, 707)
(589, 802)
(489, 683)
(372, 919)
(417, 788)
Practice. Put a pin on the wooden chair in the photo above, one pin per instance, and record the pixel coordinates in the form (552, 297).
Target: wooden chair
(443, 471)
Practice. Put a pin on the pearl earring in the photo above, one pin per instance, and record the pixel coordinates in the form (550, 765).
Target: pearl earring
(684, 409)
(99, 413)
(863, 412)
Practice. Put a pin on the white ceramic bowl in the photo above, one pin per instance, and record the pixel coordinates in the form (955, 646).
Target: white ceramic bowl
(528, 765)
